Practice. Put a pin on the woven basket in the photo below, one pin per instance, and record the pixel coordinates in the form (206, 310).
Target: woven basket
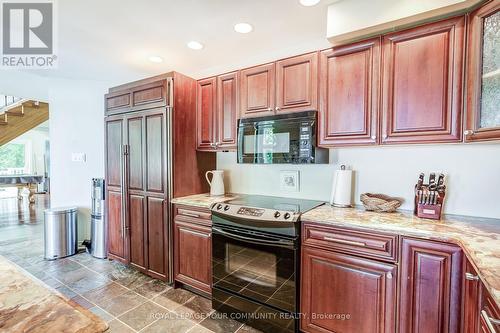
(380, 202)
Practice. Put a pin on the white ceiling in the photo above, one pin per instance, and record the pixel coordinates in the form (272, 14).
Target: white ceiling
(111, 40)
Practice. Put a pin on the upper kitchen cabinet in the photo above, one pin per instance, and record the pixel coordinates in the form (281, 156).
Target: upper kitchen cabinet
(257, 91)
(349, 94)
(217, 110)
(483, 74)
(227, 110)
(297, 83)
(205, 113)
(422, 83)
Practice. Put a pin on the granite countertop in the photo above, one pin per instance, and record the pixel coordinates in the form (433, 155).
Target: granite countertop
(203, 200)
(478, 237)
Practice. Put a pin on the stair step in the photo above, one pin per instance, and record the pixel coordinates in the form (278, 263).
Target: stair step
(17, 111)
(3, 122)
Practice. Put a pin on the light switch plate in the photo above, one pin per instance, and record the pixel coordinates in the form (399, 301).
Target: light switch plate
(78, 157)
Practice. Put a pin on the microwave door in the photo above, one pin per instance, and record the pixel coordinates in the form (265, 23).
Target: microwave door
(266, 143)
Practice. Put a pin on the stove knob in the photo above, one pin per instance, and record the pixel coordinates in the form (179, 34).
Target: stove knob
(286, 216)
(277, 214)
(219, 206)
(226, 207)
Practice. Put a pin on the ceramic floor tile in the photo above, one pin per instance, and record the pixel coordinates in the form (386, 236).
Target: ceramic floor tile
(199, 329)
(107, 317)
(123, 303)
(143, 315)
(219, 323)
(83, 302)
(173, 298)
(169, 324)
(196, 309)
(66, 291)
(152, 288)
(105, 292)
(248, 329)
(116, 326)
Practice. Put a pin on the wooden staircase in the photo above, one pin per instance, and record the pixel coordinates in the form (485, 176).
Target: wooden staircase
(20, 117)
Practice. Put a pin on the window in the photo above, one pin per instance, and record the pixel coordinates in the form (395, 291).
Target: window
(14, 158)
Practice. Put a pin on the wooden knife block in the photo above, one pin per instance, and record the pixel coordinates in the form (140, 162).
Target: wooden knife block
(429, 211)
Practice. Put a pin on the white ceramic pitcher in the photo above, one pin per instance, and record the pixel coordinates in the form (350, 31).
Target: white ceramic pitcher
(217, 183)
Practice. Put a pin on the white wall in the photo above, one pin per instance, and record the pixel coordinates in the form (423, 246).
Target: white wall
(473, 175)
(76, 117)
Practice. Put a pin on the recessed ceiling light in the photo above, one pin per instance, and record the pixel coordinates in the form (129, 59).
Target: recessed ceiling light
(195, 45)
(309, 3)
(243, 28)
(156, 59)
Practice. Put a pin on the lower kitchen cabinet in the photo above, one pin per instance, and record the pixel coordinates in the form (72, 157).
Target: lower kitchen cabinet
(472, 290)
(344, 293)
(431, 283)
(193, 248)
(490, 314)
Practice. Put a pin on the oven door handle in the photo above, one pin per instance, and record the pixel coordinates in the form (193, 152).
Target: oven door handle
(258, 241)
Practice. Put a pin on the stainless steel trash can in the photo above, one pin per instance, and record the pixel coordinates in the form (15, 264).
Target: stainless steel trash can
(60, 232)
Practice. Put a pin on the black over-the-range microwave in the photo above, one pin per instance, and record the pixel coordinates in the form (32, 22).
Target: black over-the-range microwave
(286, 138)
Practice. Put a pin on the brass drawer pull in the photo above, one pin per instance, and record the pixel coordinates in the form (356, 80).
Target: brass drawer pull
(490, 321)
(343, 241)
(471, 277)
(190, 214)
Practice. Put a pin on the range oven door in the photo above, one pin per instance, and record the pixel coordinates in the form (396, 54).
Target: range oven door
(280, 139)
(259, 267)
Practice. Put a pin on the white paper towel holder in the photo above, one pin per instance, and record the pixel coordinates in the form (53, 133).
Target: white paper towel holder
(334, 189)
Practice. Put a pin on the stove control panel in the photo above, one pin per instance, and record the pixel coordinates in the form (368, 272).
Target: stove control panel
(250, 211)
(254, 213)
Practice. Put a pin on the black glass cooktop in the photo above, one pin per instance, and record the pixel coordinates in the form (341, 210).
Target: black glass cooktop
(276, 203)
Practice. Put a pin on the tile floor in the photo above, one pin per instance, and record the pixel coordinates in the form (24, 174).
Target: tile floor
(127, 299)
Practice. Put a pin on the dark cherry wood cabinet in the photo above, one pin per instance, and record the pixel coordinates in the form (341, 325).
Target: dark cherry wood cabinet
(117, 236)
(297, 83)
(431, 284)
(193, 248)
(206, 113)
(344, 293)
(472, 290)
(422, 81)
(258, 91)
(217, 112)
(483, 74)
(489, 321)
(227, 110)
(349, 94)
(150, 157)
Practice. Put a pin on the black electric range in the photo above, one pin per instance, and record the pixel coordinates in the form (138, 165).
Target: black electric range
(255, 260)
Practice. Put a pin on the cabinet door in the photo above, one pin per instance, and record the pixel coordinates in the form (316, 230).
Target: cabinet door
(227, 110)
(431, 280)
(206, 113)
(349, 94)
(490, 313)
(297, 83)
(156, 239)
(342, 293)
(422, 83)
(483, 74)
(257, 91)
(193, 254)
(471, 299)
(117, 236)
(137, 227)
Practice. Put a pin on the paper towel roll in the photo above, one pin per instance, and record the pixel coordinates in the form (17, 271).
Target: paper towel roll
(342, 188)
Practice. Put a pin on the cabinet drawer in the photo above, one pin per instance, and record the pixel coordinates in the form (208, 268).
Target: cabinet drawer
(193, 214)
(372, 245)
